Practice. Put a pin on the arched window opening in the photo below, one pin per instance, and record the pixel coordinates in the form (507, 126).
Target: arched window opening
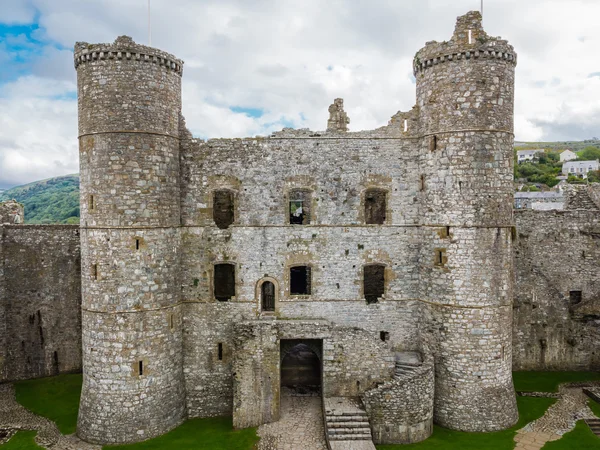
(375, 206)
(224, 282)
(267, 291)
(223, 208)
(373, 282)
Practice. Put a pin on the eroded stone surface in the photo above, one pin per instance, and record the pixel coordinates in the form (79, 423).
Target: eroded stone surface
(300, 426)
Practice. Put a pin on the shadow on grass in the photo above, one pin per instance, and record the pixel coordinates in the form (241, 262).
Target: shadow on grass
(201, 434)
(530, 381)
(56, 398)
(530, 409)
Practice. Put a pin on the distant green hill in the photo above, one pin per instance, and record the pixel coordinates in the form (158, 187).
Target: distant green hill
(55, 200)
(571, 145)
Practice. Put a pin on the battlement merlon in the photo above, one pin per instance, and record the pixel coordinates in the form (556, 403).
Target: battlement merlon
(468, 41)
(124, 47)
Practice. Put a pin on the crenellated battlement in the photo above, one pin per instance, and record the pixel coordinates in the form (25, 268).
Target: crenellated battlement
(125, 48)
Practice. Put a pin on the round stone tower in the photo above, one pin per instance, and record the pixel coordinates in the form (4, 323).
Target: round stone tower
(465, 92)
(129, 112)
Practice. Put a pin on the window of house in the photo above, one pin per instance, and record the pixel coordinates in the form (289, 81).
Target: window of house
(299, 211)
(223, 208)
(373, 282)
(224, 282)
(300, 280)
(575, 297)
(375, 206)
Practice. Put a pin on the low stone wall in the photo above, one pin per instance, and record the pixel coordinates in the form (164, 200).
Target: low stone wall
(401, 410)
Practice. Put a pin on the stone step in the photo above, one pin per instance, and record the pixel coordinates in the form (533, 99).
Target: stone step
(406, 365)
(338, 431)
(346, 417)
(357, 424)
(356, 437)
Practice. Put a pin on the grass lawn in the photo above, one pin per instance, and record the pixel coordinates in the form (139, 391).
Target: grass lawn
(23, 440)
(548, 381)
(202, 434)
(595, 407)
(530, 408)
(580, 438)
(56, 398)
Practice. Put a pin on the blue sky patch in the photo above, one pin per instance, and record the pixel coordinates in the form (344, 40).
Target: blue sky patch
(250, 112)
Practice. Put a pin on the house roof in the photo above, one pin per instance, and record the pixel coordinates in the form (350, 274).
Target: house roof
(530, 152)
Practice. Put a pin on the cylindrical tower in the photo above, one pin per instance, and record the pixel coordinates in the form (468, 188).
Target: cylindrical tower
(129, 110)
(465, 92)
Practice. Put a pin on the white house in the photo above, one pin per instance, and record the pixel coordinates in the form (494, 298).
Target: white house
(567, 155)
(527, 155)
(580, 168)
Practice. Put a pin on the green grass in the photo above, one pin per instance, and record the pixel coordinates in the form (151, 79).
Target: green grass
(56, 398)
(23, 440)
(548, 381)
(530, 409)
(201, 434)
(580, 438)
(595, 407)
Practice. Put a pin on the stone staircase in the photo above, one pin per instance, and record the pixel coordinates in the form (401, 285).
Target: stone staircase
(406, 364)
(580, 199)
(594, 425)
(347, 424)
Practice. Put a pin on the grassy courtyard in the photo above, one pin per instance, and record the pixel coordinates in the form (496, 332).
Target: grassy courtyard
(58, 399)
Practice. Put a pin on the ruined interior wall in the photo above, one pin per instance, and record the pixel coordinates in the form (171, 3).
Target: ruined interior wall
(42, 300)
(557, 252)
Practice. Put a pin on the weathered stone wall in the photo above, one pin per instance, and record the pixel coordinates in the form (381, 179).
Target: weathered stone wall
(40, 288)
(129, 109)
(465, 92)
(401, 410)
(557, 252)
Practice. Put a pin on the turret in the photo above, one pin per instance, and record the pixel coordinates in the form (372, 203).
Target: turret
(129, 100)
(465, 91)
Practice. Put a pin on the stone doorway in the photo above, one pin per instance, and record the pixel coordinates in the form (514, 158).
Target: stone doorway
(301, 367)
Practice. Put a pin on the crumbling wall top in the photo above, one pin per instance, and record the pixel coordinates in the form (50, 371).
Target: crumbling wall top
(468, 41)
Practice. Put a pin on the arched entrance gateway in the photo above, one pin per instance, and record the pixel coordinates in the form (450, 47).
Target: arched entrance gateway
(301, 367)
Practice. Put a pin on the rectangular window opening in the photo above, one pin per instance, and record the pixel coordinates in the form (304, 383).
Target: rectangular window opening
(140, 368)
(447, 231)
(94, 271)
(405, 125)
(223, 208)
(575, 297)
(373, 282)
(422, 184)
(300, 280)
(137, 244)
(384, 336)
(440, 256)
(91, 202)
(433, 143)
(299, 211)
(220, 351)
(375, 207)
(172, 321)
(224, 282)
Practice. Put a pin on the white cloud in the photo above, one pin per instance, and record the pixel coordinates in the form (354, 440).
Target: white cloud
(290, 59)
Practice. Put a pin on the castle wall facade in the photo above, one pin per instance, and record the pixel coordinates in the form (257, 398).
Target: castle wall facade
(40, 289)
(557, 292)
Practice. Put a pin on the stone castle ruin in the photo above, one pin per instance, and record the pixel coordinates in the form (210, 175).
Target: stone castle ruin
(200, 267)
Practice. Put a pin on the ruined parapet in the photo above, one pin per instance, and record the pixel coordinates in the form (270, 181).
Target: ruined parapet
(11, 213)
(465, 95)
(338, 119)
(129, 99)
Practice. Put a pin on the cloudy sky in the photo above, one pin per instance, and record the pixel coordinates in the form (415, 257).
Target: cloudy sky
(254, 66)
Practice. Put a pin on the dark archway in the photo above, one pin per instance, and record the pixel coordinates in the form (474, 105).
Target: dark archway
(301, 367)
